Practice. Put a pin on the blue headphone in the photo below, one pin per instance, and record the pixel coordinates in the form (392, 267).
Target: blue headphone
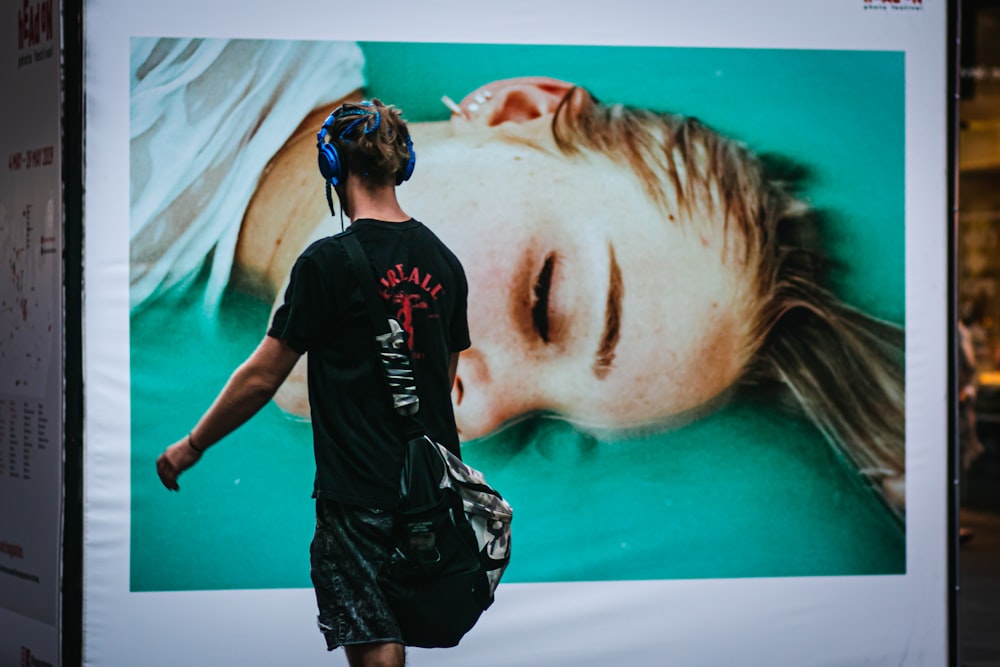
(331, 164)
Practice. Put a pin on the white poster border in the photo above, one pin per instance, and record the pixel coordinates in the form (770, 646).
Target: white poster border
(696, 622)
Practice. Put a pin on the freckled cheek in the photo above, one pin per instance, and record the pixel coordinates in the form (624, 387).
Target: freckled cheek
(568, 387)
(710, 362)
(667, 369)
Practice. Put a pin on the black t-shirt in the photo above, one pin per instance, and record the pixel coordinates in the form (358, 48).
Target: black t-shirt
(358, 437)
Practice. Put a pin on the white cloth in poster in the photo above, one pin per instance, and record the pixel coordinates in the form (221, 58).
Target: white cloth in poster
(188, 197)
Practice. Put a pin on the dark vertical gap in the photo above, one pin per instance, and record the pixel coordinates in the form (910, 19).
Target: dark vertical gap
(72, 178)
(967, 49)
(959, 28)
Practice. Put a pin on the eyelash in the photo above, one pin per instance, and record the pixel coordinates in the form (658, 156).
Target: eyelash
(540, 305)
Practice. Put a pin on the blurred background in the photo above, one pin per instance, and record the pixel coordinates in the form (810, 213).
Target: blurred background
(978, 242)
(978, 248)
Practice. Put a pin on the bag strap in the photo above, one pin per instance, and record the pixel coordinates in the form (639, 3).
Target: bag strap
(358, 261)
(363, 271)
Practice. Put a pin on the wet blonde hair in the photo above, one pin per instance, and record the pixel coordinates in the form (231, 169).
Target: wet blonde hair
(841, 368)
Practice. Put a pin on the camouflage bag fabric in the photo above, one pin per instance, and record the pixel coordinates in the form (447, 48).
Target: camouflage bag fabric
(452, 547)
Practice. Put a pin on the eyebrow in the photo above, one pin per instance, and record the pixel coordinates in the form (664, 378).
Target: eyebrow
(612, 319)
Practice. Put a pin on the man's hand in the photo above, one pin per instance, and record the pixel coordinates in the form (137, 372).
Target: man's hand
(249, 388)
(175, 459)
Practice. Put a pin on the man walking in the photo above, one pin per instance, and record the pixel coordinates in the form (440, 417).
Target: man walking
(364, 152)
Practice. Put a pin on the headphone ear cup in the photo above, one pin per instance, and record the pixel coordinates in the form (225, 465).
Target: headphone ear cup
(411, 161)
(329, 163)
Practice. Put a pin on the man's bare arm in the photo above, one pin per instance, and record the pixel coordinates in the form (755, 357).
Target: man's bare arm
(249, 389)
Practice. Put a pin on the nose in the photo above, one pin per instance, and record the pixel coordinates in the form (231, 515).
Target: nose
(485, 396)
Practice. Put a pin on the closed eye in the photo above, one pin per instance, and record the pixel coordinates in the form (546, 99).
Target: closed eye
(540, 306)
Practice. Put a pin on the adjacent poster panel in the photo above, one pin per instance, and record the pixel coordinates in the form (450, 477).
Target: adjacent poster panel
(31, 339)
(704, 370)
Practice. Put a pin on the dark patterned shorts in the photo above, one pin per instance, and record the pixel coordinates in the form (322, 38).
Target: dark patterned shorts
(348, 549)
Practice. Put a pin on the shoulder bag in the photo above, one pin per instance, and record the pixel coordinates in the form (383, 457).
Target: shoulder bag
(453, 529)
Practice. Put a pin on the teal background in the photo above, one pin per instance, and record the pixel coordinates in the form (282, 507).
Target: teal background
(746, 492)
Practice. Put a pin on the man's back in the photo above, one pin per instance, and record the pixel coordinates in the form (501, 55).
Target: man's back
(357, 434)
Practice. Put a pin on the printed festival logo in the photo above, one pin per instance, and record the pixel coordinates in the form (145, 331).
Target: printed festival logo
(35, 32)
(407, 289)
(893, 5)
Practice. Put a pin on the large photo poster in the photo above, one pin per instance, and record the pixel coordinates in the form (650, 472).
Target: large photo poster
(631, 359)
(707, 265)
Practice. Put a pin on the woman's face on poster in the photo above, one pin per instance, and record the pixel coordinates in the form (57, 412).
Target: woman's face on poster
(586, 298)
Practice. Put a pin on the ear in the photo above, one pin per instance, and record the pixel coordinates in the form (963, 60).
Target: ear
(513, 100)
